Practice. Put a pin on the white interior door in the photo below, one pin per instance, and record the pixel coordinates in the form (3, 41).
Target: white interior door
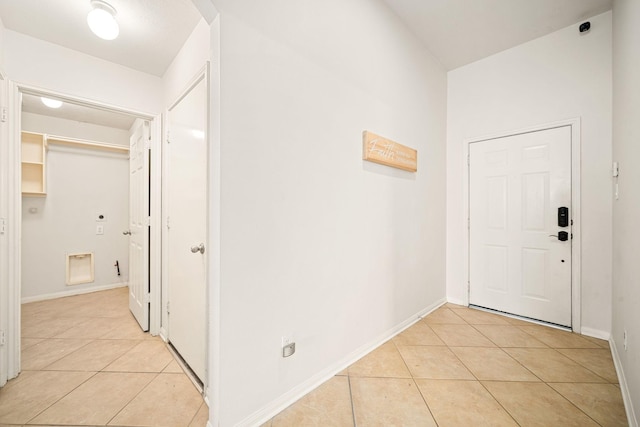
(139, 224)
(186, 168)
(516, 185)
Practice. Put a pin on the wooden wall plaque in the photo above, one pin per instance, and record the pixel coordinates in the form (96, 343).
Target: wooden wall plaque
(387, 152)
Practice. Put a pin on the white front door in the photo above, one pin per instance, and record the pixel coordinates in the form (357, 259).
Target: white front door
(518, 264)
(186, 246)
(139, 224)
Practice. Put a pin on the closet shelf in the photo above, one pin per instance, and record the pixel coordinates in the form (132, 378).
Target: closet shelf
(33, 169)
(34, 147)
(51, 139)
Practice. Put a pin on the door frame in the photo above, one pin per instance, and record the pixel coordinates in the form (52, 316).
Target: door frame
(202, 75)
(11, 281)
(576, 257)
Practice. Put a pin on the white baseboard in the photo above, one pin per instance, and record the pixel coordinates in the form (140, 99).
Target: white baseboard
(457, 302)
(624, 388)
(163, 334)
(267, 412)
(595, 333)
(72, 292)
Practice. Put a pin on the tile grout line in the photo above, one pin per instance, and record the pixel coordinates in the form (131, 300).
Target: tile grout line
(353, 410)
(509, 355)
(476, 378)
(413, 378)
(500, 403)
(62, 397)
(542, 381)
(91, 373)
(584, 365)
(133, 398)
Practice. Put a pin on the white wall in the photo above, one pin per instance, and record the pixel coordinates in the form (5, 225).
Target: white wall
(626, 210)
(188, 62)
(49, 66)
(2, 30)
(81, 183)
(560, 76)
(315, 242)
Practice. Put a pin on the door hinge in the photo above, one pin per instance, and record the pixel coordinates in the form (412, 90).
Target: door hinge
(168, 311)
(4, 114)
(146, 298)
(148, 222)
(3, 340)
(468, 223)
(468, 160)
(3, 225)
(168, 138)
(147, 145)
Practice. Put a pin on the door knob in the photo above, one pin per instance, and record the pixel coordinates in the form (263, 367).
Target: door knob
(563, 236)
(199, 248)
(127, 233)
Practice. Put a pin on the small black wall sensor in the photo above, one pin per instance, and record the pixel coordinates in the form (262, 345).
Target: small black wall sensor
(585, 26)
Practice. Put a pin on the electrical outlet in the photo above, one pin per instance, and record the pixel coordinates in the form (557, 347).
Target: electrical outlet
(288, 346)
(99, 229)
(624, 340)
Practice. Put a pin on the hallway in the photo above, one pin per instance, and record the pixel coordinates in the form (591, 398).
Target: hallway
(85, 361)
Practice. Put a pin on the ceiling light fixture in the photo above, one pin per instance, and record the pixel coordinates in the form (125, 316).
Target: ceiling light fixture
(51, 103)
(102, 20)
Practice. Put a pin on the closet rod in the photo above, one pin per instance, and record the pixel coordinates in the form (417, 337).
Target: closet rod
(51, 139)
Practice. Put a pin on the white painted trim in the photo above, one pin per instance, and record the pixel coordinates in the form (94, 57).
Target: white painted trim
(214, 237)
(5, 246)
(155, 232)
(624, 388)
(576, 242)
(39, 91)
(163, 334)
(73, 292)
(14, 229)
(278, 405)
(596, 333)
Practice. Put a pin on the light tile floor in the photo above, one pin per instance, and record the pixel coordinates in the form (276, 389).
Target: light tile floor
(85, 361)
(465, 367)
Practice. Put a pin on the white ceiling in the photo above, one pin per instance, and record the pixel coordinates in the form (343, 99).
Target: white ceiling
(151, 31)
(459, 32)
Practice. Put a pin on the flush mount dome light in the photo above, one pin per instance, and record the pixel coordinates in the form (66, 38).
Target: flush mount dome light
(102, 20)
(51, 103)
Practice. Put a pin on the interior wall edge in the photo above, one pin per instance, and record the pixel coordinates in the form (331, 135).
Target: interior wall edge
(624, 388)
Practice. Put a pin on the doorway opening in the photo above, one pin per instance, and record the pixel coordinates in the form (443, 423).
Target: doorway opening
(76, 201)
(185, 236)
(523, 226)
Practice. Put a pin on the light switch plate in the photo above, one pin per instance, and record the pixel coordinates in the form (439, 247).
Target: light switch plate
(99, 229)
